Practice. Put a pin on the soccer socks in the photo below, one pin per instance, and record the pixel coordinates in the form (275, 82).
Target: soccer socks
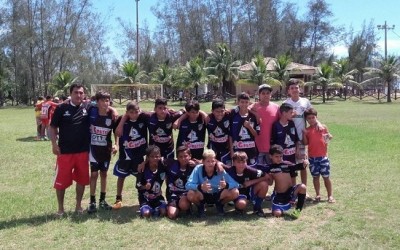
(118, 198)
(102, 196)
(257, 203)
(300, 201)
(92, 199)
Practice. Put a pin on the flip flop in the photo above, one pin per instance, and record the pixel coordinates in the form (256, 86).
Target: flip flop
(331, 200)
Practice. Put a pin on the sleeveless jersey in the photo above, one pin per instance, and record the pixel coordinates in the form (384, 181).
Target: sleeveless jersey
(133, 142)
(100, 136)
(192, 135)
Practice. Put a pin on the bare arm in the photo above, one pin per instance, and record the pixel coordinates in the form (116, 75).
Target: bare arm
(53, 137)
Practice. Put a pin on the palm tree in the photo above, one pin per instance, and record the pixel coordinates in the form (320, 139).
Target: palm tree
(61, 83)
(281, 68)
(388, 72)
(259, 73)
(344, 76)
(163, 75)
(323, 78)
(132, 75)
(220, 64)
(193, 74)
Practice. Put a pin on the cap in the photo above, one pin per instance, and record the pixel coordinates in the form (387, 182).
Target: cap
(264, 86)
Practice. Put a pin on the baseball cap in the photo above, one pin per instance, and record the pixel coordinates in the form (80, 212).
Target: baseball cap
(264, 86)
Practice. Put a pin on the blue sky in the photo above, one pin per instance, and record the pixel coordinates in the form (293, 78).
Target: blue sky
(345, 12)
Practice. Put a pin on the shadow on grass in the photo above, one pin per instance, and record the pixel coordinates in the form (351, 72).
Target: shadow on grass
(28, 139)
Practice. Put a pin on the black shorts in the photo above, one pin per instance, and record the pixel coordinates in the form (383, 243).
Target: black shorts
(154, 203)
(124, 168)
(99, 166)
(211, 198)
(175, 197)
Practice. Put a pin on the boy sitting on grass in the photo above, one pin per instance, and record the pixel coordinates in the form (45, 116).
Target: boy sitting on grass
(285, 194)
(207, 185)
(317, 136)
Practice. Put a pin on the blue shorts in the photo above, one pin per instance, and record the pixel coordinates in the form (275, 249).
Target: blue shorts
(153, 206)
(124, 168)
(284, 201)
(99, 166)
(319, 166)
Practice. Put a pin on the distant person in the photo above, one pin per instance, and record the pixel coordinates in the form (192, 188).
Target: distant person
(70, 122)
(132, 144)
(244, 130)
(37, 117)
(267, 113)
(207, 185)
(102, 125)
(317, 140)
(46, 112)
(285, 193)
(180, 94)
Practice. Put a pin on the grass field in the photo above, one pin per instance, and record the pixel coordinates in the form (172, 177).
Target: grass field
(365, 160)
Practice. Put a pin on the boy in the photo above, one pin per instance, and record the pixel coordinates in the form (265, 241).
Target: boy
(149, 184)
(37, 116)
(101, 148)
(160, 128)
(218, 127)
(207, 185)
(253, 183)
(267, 113)
(192, 130)
(178, 173)
(132, 133)
(285, 193)
(244, 130)
(317, 140)
(284, 134)
(45, 118)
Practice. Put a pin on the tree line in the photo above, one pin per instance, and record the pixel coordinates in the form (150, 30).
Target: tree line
(46, 44)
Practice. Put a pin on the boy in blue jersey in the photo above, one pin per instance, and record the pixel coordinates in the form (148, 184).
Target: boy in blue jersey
(207, 185)
(253, 183)
(285, 193)
(284, 134)
(132, 132)
(192, 131)
(160, 128)
(244, 130)
(218, 127)
(101, 148)
(178, 173)
(149, 184)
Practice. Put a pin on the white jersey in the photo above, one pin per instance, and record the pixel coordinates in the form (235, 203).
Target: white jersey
(299, 107)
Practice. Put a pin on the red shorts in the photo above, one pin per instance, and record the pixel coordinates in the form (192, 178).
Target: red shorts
(45, 122)
(72, 167)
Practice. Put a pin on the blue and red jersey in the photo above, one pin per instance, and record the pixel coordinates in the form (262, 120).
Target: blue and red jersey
(192, 135)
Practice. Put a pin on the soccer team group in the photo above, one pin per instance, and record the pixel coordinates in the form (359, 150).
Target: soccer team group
(250, 147)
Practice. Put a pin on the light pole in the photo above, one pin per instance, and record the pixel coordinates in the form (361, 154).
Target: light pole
(137, 32)
(386, 28)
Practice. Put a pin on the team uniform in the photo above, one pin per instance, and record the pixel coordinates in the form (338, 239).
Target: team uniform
(46, 112)
(152, 199)
(132, 146)
(176, 181)
(192, 135)
(73, 129)
(101, 127)
(283, 201)
(242, 138)
(249, 173)
(286, 136)
(160, 133)
(218, 137)
(299, 120)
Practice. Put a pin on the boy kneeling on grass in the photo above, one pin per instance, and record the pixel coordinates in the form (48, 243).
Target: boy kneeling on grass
(207, 185)
(285, 194)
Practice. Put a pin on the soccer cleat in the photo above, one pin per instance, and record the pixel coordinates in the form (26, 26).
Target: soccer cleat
(92, 208)
(200, 211)
(117, 204)
(104, 205)
(295, 214)
(259, 213)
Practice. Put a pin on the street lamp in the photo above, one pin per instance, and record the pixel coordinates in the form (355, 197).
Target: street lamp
(137, 32)
(385, 27)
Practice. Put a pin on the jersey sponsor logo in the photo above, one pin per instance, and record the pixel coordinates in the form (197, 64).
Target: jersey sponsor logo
(66, 113)
(195, 145)
(218, 131)
(288, 141)
(134, 144)
(161, 139)
(289, 151)
(99, 130)
(218, 139)
(160, 132)
(244, 144)
(192, 136)
(98, 140)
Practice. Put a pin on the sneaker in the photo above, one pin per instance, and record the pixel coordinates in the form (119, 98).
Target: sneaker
(200, 211)
(117, 204)
(104, 205)
(220, 208)
(295, 214)
(92, 208)
(259, 213)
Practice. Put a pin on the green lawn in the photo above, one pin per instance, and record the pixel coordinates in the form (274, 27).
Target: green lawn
(365, 170)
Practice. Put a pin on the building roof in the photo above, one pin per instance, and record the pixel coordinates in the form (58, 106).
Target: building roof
(294, 68)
